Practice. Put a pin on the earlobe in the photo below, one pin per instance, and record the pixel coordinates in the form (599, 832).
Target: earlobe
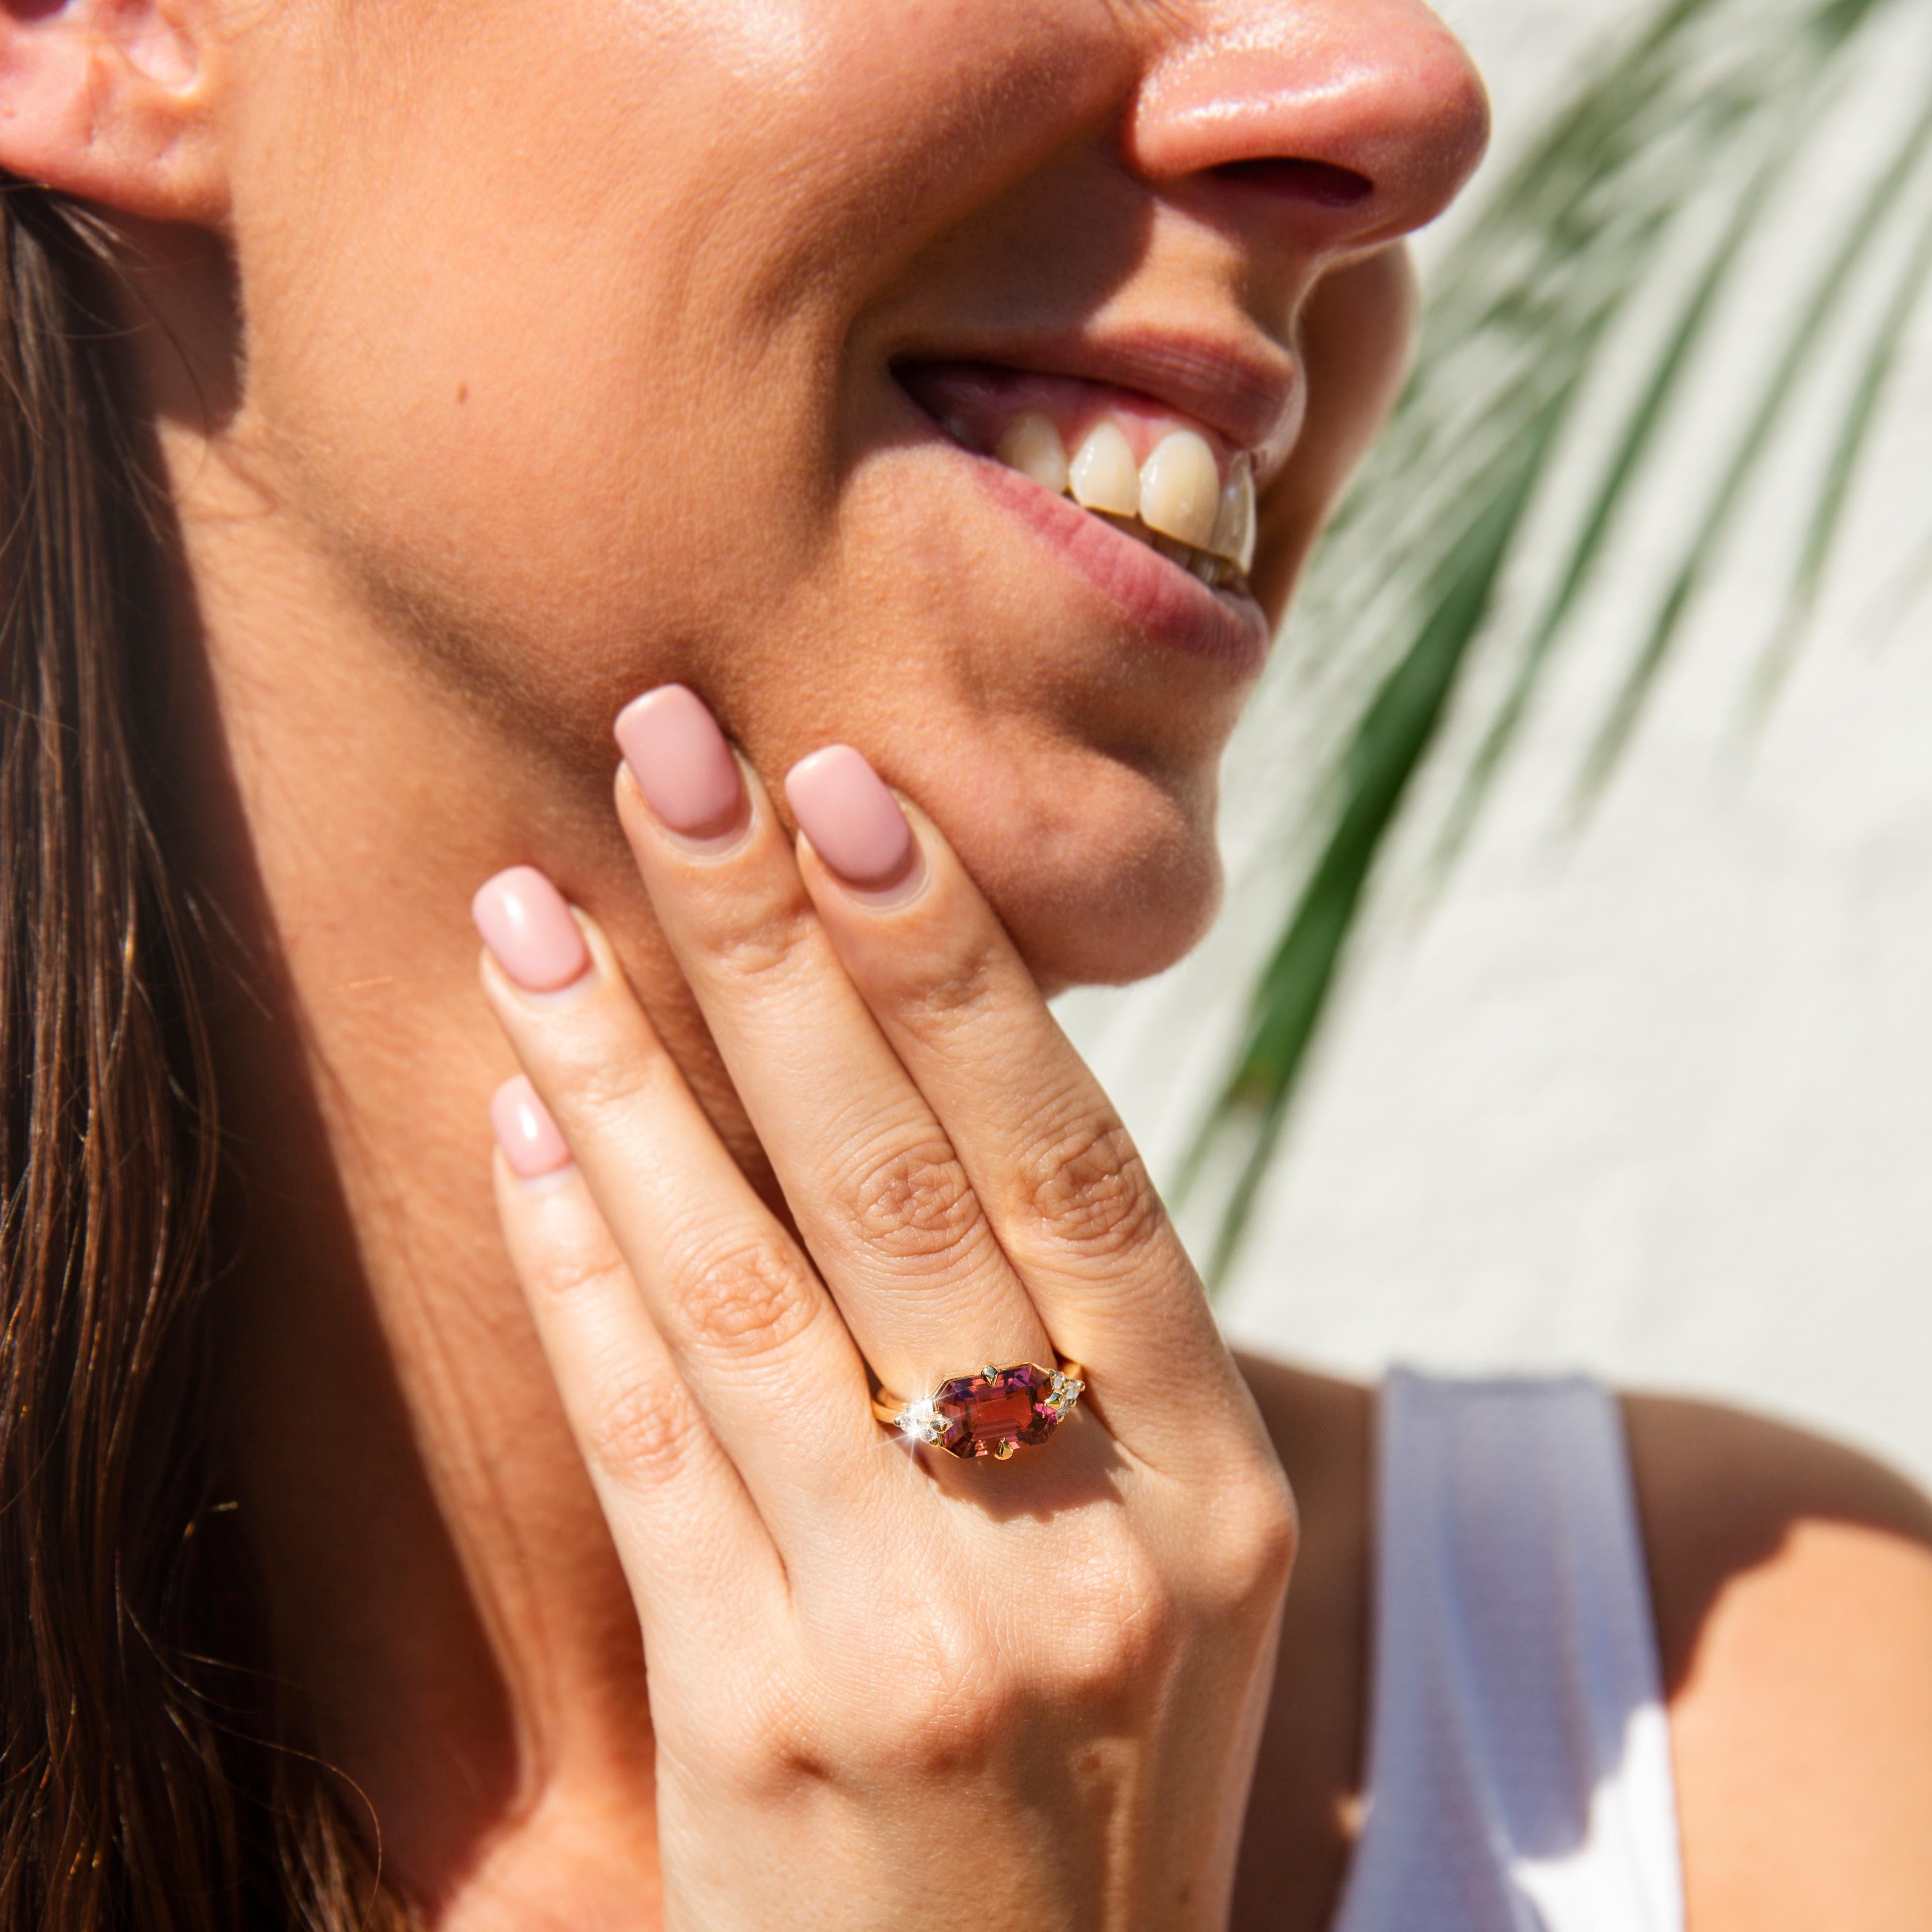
(111, 101)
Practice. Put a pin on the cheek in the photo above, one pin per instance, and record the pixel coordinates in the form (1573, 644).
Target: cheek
(553, 341)
(529, 500)
(532, 393)
(574, 408)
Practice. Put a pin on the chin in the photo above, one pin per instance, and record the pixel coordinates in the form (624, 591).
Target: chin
(1117, 895)
(1119, 946)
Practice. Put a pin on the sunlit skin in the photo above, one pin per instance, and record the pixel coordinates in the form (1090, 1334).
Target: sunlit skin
(509, 361)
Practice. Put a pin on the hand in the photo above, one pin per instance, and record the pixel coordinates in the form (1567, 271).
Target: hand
(889, 1688)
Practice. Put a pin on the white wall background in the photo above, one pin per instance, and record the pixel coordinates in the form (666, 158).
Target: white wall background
(1655, 1099)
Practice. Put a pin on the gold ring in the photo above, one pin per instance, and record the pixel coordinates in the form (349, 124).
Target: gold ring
(988, 1413)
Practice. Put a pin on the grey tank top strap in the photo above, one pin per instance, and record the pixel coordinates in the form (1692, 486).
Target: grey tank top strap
(1519, 1772)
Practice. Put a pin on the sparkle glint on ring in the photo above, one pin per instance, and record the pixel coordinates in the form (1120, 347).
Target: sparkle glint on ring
(988, 1413)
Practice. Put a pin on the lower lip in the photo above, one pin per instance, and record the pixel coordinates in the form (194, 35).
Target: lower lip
(1224, 627)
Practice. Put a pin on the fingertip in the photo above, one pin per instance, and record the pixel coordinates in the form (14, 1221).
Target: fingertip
(854, 822)
(530, 930)
(532, 1144)
(682, 763)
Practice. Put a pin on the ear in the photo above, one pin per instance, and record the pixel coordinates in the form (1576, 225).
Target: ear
(109, 100)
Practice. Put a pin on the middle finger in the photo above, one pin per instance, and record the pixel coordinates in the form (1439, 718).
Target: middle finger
(881, 1200)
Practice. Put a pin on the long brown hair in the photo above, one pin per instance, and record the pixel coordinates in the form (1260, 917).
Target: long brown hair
(145, 1780)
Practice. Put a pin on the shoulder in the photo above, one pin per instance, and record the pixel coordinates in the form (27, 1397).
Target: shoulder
(1792, 1579)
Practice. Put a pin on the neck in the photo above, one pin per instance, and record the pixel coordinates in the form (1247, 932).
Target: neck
(446, 1599)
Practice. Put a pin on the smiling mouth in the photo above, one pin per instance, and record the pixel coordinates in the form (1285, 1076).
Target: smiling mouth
(1147, 472)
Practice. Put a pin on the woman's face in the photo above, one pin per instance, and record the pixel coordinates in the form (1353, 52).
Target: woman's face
(603, 344)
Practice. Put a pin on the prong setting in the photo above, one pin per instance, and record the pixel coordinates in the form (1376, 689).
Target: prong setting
(991, 1413)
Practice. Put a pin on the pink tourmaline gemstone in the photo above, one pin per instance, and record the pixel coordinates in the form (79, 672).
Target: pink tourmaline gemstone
(980, 1413)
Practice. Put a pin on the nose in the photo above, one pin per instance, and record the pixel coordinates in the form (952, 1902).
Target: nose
(1353, 120)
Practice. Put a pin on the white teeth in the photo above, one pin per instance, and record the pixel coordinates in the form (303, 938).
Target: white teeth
(1234, 536)
(1175, 502)
(1032, 445)
(1103, 474)
(1180, 488)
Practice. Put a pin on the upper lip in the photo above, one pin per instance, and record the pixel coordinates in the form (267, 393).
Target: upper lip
(1245, 391)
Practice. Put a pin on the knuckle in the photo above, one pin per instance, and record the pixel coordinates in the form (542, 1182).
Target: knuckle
(762, 1739)
(603, 1084)
(1120, 1640)
(758, 943)
(957, 988)
(954, 1710)
(1272, 1537)
(1252, 1532)
(916, 1204)
(926, 1692)
(1088, 1188)
(940, 1706)
(943, 1740)
(577, 1267)
(743, 1297)
(643, 1434)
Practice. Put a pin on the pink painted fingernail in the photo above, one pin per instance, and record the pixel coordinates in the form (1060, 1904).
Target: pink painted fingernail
(853, 821)
(680, 760)
(525, 1131)
(527, 925)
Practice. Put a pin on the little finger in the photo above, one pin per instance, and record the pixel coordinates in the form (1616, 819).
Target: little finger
(699, 1561)
(753, 1333)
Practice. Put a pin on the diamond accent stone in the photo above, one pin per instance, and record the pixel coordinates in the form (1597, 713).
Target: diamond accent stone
(1062, 1392)
(919, 1420)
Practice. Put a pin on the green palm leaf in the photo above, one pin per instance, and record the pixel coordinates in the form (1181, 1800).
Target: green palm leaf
(1633, 211)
